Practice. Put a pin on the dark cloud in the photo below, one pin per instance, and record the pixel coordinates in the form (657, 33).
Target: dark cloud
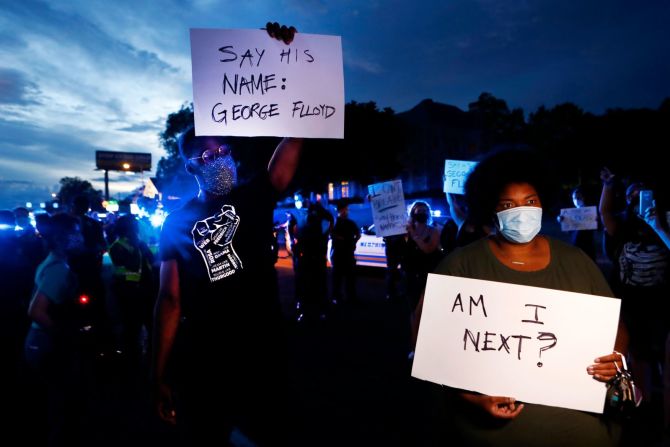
(32, 155)
(15, 193)
(148, 126)
(73, 29)
(39, 152)
(16, 88)
(118, 177)
(11, 42)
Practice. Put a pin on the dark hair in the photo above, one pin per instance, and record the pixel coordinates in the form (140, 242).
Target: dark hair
(7, 218)
(424, 204)
(54, 229)
(588, 193)
(126, 226)
(20, 211)
(81, 204)
(496, 171)
(342, 205)
(418, 203)
(190, 145)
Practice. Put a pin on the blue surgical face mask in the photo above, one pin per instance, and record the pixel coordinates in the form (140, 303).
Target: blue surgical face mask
(220, 176)
(520, 224)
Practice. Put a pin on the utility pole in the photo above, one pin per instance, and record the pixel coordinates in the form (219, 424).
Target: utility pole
(106, 184)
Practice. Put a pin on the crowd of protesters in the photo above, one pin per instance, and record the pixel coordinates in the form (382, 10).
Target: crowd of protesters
(212, 291)
(59, 291)
(75, 290)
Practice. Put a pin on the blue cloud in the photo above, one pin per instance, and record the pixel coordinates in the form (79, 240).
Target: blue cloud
(16, 88)
(42, 156)
(153, 126)
(108, 73)
(78, 32)
(15, 193)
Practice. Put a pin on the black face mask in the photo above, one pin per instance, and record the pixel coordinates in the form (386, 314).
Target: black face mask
(420, 217)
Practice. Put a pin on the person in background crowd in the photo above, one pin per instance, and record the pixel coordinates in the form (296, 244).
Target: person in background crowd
(459, 231)
(312, 264)
(87, 264)
(422, 250)
(641, 277)
(32, 247)
(133, 286)
(31, 253)
(290, 233)
(345, 234)
(394, 248)
(14, 297)
(51, 344)
(583, 239)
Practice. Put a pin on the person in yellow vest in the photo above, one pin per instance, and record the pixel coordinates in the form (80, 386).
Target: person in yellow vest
(133, 286)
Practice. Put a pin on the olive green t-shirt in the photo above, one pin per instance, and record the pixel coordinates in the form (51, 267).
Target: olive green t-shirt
(571, 270)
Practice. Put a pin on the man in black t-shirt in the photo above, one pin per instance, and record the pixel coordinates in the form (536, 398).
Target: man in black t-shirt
(217, 322)
(311, 267)
(345, 234)
(217, 304)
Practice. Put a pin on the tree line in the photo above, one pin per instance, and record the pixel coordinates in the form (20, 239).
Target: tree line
(380, 144)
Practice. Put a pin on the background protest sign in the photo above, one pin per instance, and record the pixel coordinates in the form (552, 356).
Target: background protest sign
(248, 84)
(501, 339)
(455, 174)
(388, 208)
(585, 218)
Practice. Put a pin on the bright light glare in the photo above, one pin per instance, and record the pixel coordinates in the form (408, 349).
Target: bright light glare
(157, 219)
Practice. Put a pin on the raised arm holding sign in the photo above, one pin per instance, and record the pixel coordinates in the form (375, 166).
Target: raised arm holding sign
(218, 291)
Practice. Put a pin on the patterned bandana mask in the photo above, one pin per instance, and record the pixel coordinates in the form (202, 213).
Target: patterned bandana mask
(220, 176)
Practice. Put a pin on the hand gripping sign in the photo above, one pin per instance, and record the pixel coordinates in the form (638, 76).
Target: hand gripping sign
(500, 339)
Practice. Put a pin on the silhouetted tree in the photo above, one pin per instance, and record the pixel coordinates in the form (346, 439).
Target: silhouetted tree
(368, 152)
(379, 145)
(557, 132)
(498, 124)
(175, 124)
(665, 107)
(70, 187)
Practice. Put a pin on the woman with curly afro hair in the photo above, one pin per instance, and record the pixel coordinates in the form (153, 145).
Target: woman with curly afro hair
(507, 190)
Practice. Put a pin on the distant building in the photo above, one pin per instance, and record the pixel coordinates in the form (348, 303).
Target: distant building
(346, 190)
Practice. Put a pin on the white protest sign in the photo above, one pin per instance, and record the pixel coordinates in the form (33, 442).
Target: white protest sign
(248, 84)
(502, 339)
(388, 208)
(455, 174)
(585, 218)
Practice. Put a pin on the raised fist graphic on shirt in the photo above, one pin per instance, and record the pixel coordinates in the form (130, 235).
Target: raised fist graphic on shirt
(213, 238)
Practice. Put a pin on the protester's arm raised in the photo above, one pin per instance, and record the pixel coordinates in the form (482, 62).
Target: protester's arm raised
(284, 162)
